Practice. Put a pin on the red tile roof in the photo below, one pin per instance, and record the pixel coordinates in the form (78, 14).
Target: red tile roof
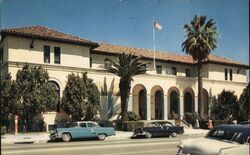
(165, 56)
(47, 33)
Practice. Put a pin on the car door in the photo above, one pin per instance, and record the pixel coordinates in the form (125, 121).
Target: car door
(167, 128)
(84, 131)
(93, 129)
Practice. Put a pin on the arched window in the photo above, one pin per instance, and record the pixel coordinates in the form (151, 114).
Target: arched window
(174, 104)
(142, 104)
(57, 88)
(188, 102)
(158, 104)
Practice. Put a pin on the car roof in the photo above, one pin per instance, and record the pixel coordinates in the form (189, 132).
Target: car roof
(245, 129)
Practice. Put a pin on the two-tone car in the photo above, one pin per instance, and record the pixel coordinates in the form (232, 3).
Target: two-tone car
(227, 139)
(81, 129)
(157, 129)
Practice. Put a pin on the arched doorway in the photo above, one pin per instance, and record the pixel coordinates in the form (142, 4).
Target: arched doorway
(140, 101)
(205, 103)
(159, 105)
(174, 105)
(188, 100)
(143, 104)
(57, 88)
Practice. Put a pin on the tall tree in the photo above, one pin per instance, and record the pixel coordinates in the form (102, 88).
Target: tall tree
(126, 66)
(80, 97)
(200, 40)
(33, 94)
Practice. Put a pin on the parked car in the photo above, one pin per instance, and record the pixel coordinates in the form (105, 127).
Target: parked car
(222, 139)
(158, 128)
(81, 129)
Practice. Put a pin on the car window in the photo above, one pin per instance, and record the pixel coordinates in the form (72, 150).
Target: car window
(74, 125)
(167, 124)
(83, 125)
(91, 125)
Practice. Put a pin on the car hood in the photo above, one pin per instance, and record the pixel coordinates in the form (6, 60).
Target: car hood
(206, 146)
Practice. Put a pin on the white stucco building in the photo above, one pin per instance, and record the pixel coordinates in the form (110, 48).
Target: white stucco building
(166, 93)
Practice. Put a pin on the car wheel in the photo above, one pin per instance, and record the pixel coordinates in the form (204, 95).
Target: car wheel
(66, 137)
(173, 134)
(102, 136)
(148, 135)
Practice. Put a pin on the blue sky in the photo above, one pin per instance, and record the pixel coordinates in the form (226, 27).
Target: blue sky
(129, 22)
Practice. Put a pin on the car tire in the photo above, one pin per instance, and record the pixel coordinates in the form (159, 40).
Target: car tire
(173, 134)
(148, 134)
(66, 137)
(102, 136)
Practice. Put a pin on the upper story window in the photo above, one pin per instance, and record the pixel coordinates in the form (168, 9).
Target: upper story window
(46, 54)
(188, 72)
(159, 69)
(57, 55)
(1, 56)
(230, 74)
(107, 64)
(226, 74)
(90, 62)
(174, 70)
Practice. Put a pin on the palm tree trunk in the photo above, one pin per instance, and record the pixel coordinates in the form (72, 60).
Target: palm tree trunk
(200, 89)
(124, 92)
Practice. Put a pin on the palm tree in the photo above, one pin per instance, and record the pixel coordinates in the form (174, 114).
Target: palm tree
(201, 39)
(126, 66)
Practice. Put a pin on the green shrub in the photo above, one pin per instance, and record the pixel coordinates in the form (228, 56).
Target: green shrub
(3, 130)
(191, 117)
(132, 116)
(131, 125)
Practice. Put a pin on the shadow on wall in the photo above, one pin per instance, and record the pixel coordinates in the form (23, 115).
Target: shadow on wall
(109, 107)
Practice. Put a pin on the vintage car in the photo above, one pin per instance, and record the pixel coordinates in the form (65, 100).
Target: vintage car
(81, 129)
(222, 139)
(158, 128)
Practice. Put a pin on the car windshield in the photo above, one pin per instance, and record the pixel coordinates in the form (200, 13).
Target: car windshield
(224, 135)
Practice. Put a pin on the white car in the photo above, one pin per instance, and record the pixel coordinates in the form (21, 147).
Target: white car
(221, 140)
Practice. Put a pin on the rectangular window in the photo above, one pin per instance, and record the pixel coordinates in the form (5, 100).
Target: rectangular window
(225, 74)
(90, 62)
(231, 74)
(188, 72)
(46, 54)
(174, 70)
(57, 55)
(107, 65)
(159, 69)
(1, 56)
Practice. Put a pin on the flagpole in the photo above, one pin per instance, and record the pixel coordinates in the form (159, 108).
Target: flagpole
(154, 41)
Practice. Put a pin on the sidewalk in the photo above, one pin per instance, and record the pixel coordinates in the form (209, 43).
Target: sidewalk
(43, 137)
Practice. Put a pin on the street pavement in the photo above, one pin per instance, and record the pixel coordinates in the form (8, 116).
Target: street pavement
(158, 146)
(43, 137)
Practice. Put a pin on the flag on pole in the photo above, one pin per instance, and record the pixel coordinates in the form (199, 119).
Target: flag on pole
(157, 26)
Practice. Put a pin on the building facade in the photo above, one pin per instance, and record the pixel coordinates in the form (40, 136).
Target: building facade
(162, 94)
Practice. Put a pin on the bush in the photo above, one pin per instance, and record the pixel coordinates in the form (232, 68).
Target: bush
(3, 130)
(131, 125)
(191, 117)
(132, 116)
(105, 124)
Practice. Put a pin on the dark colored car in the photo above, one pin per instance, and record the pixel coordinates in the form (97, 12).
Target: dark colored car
(245, 122)
(157, 129)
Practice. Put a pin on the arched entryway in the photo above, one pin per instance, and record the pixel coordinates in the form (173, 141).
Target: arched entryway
(174, 103)
(188, 100)
(205, 103)
(57, 88)
(140, 101)
(158, 103)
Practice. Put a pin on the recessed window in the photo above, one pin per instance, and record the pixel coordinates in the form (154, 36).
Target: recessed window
(57, 55)
(1, 56)
(187, 72)
(174, 70)
(159, 69)
(107, 64)
(46, 54)
(231, 74)
(226, 72)
(90, 62)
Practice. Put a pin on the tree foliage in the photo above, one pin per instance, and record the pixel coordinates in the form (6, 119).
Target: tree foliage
(33, 94)
(201, 39)
(80, 97)
(126, 66)
(226, 106)
(244, 105)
